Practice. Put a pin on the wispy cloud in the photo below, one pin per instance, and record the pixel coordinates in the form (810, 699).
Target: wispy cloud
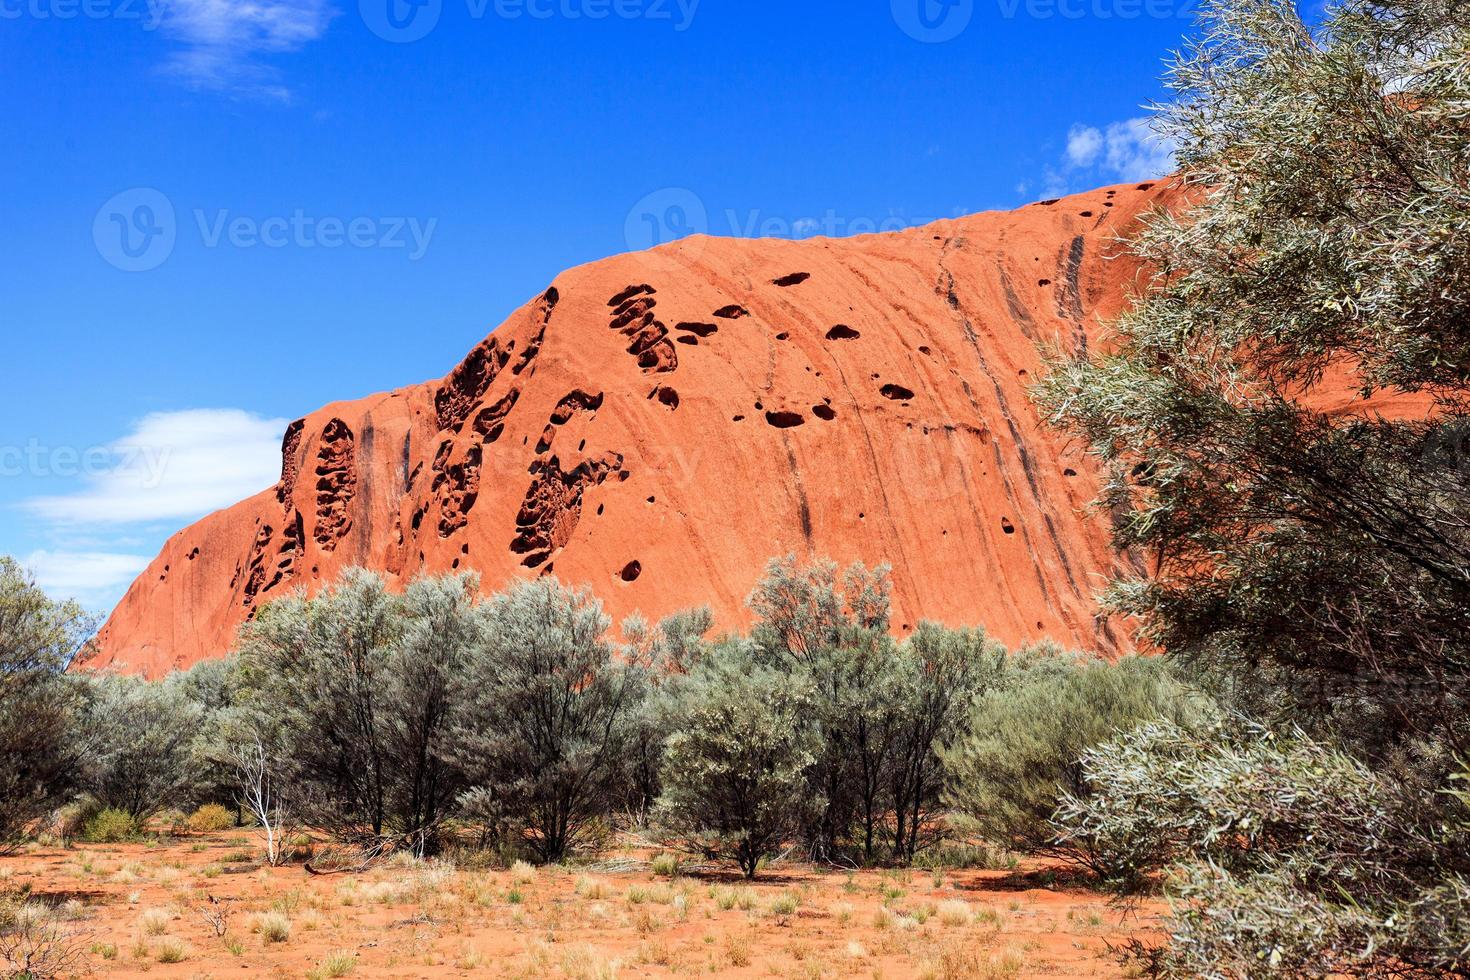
(1120, 151)
(224, 45)
(93, 578)
(173, 466)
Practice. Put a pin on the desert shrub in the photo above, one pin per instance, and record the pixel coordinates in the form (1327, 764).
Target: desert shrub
(214, 685)
(210, 818)
(111, 826)
(545, 736)
(830, 630)
(69, 820)
(273, 927)
(1241, 799)
(1315, 560)
(736, 764)
(1246, 824)
(672, 647)
(1276, 923)
(36, 942)
(939, 674)
(348, 696)
(882, 710)
(1311, 563)
(138, 737)
(39, 758)
(1027, 736)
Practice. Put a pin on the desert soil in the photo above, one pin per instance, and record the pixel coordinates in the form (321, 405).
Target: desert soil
(130, 909)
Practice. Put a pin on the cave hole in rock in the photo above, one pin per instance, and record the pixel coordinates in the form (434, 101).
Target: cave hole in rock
(698, 329)
(1069, 472)
(1007, 526)
(897, 393)
(785, 420)
(629, 293)
(842, 332)
(783, 336)
(731, 312)
(1086, 214)
(631, 571)
(666, 396)
(1043, 282)
(824, 412)
(795, 279)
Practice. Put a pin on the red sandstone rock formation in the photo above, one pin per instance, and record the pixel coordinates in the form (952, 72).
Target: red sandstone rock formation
(658, 425)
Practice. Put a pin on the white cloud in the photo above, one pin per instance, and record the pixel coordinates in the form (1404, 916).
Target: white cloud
(1084, 143)
(1129, 150)
(223, 42)
(91, 577)
(1136, 152)
(173, 466)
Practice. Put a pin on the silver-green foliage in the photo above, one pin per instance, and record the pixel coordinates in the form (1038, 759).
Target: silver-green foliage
(354, 690)
(737, 762)
(1027, 735)
(38, 702)
(1318, 555)
(1284, 856)
(139, 738)
(550, 718)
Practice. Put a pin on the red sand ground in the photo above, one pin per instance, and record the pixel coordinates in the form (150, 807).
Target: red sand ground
(131, 904)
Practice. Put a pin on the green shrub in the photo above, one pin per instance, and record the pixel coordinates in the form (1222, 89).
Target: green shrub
(1027, 736)
(111, 826)
(139, 739)
(737, 760)
(1245, 825)
(39, 702)
(211, 818)
(352, 691)
(551, 718)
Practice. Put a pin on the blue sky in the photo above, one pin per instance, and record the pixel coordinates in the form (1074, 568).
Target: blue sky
(222, 214)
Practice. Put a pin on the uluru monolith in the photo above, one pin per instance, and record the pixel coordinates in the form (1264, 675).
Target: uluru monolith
(659, 424)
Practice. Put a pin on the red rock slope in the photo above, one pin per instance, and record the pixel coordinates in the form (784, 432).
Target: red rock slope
(660, 424)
